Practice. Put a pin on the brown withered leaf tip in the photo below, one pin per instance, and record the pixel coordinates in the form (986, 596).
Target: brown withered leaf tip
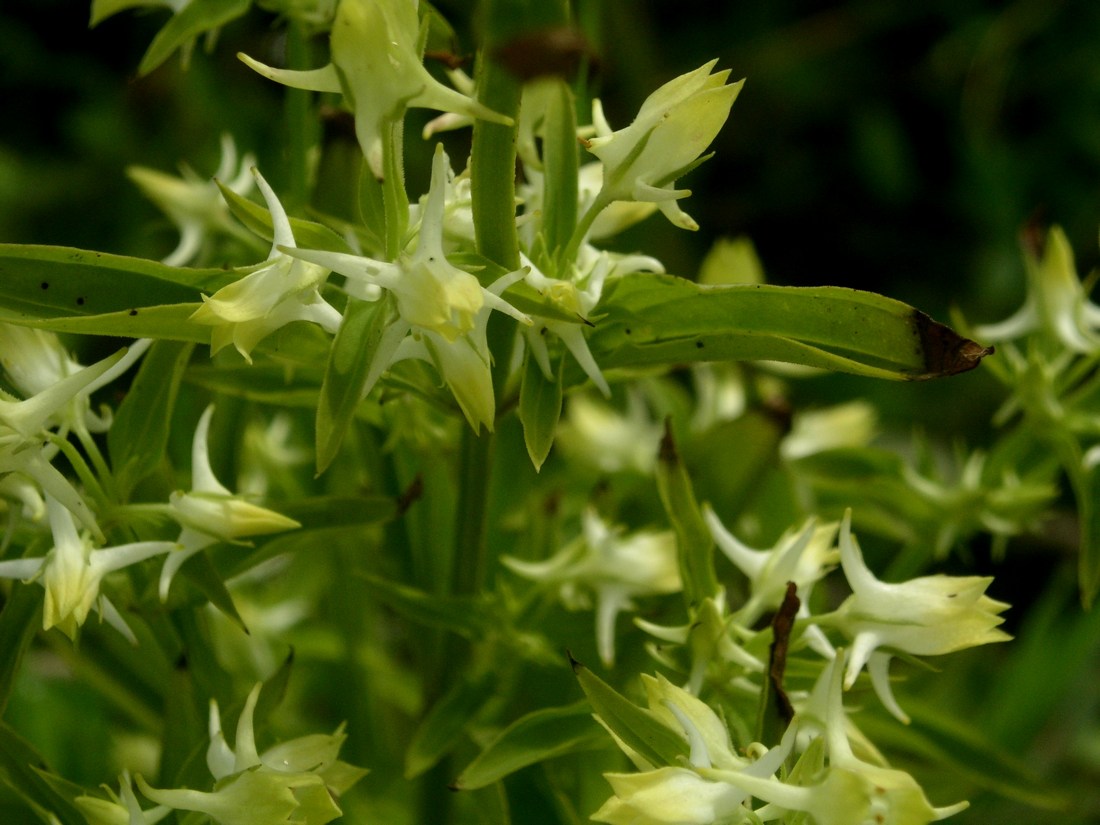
(945, 352)
(558, 51)
(782, 625)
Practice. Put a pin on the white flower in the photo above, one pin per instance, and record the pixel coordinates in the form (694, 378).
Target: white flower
(442, 311)
(210, 513)
(376, 64)
(72, 571)
(926, 616)
(61, 390)
(195, 204)
(804, 558)
(674, 126)
(285, 290)
(615, 568)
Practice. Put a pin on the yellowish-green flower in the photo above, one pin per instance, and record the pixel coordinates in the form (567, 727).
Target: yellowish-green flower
(73, 570)
(377, 65)
(672, 129)
(195, 204)
(210, 513)
(926, 616)
(441, 310)
(285, 290)
(1057, 304)
(294, 783)
(613, 568)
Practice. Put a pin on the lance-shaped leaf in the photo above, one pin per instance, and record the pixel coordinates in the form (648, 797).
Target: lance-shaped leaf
(694, 544)
(57, 281)
(663, 319)
(538, 736)
(139, 433)
(636, 727)
(539, 410)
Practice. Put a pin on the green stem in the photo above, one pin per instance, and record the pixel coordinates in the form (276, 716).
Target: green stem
(471, 551)
(300, 120)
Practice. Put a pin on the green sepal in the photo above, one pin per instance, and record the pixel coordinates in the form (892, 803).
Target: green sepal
(139, 432)
(636, 727)
(537, 736)
(441, 730)
(649, 320)
(695, 547)
(539, 409)
(307, 234)
(346, 373)
(195, 18)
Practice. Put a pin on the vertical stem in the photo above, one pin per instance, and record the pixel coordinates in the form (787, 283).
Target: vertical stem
(300, 121)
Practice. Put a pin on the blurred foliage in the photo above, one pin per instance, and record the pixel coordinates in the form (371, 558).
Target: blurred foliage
(887, 146)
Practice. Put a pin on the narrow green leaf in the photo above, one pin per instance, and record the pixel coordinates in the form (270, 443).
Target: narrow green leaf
(693, 540)
(472, 617)
(349, 363)
(139, 433)
(23, 770)
(58, 281)
(19, 620)
(170, 322)
(540, 735)
(635, 726)
(441, 730)
(539, 410)
(956, 746)
(200, 571)
(662, 319)
(560, 152)
(193, 19)
(307, 234)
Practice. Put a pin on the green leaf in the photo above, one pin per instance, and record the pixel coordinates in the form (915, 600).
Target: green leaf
(956, 746)
(662, 319)
(139, 433)
(639, 729)
(560, 161)
(441, 730)
(19, 620)
(472, 617)
(171, 322)
(693, 540)
(57, 281)
(195, 18)
(349, 363)
(200, 571)
(307, 234)
(1087, 490)
(22, 769)
(540, 735)
(539, 410)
